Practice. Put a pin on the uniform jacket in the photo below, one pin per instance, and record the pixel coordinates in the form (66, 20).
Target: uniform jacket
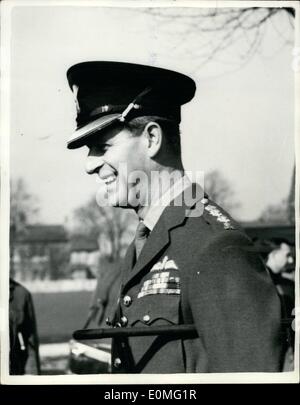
(24, 345)
(198, 269)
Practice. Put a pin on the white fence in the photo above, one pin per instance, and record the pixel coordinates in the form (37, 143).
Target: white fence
(51, 286)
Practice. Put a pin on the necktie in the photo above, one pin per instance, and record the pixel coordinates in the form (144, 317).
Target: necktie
(141, 235)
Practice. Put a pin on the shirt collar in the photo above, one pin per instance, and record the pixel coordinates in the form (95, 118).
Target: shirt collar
(157, 207)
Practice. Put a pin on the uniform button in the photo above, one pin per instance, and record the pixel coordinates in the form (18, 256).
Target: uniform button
(124, 321)
(127, 300)
(146, 318)
(117, 362)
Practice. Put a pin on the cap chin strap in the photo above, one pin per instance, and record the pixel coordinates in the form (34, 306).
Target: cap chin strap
(127, 111)
(134, 104)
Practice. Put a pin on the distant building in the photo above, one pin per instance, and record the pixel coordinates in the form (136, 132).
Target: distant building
(259, 231)
(84, 257)
(41, 252)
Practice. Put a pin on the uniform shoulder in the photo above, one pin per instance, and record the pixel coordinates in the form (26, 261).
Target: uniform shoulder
(18, 289)
(208, 224)
(212, 216)
(217, 217)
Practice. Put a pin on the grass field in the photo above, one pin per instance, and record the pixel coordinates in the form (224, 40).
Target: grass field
(59, 314)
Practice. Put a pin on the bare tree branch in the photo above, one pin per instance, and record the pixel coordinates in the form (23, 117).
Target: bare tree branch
(112, 225)
(224, 26)
(219, 190)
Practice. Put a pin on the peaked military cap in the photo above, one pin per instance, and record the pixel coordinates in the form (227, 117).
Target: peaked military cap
(110, 92)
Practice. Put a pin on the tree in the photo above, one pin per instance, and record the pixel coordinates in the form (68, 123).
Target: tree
(277, 214)
(212, 31)
(284, 212)
(209, 35)
(219, 190)
(23, 205)
(23, 210)
(112, 227)
(291, 199)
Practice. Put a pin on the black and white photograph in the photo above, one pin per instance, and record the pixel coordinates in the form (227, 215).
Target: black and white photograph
(149, 192)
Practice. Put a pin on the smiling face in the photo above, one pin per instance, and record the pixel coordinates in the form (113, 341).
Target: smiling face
(114, 155)
(283, 256)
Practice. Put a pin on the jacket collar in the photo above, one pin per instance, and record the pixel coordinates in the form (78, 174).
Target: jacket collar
(156, 209)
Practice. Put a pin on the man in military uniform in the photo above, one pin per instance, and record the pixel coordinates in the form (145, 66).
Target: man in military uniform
(190, 267)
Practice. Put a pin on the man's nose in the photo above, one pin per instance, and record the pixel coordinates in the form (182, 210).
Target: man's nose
(93, 164)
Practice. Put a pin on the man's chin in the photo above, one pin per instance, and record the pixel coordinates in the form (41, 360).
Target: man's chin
(116, 202)
(120, 199)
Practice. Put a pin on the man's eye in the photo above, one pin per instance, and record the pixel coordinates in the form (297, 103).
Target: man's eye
(98, 148)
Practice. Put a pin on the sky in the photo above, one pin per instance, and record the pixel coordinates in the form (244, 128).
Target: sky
(241, 121)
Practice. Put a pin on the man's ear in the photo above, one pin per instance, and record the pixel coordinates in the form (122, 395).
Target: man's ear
(153, 133)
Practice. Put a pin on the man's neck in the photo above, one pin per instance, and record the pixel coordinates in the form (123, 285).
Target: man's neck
(159, 185)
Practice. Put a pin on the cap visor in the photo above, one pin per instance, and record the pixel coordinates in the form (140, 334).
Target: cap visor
(79, 137)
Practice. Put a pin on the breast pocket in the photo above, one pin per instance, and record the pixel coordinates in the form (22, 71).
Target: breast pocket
(156, 310)
(156, 353)
(157, 299)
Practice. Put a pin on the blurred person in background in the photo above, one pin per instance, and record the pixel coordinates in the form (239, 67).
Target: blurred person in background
(279, 257)
(83, 359)
(23, 336)
(281, 265)
(104, 300)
